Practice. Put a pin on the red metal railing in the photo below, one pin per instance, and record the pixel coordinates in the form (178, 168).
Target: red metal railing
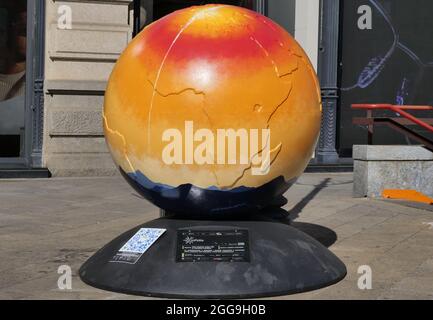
(400, 111)
(399, 124)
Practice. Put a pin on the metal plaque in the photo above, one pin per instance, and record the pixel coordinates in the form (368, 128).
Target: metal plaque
(213, 245)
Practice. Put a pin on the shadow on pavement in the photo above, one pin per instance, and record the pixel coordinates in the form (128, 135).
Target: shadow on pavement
(297, 209)
(324, 235)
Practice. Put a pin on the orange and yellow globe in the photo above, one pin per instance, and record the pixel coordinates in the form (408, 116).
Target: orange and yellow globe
(212, 109)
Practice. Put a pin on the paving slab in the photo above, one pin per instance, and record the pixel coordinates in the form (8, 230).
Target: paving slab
(47, 223)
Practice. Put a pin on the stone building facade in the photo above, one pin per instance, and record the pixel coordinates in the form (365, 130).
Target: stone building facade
(78, 62)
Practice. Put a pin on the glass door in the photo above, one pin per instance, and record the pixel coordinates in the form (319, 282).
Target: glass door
(13, 66)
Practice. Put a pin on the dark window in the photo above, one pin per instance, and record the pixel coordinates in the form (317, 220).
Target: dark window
(13, 51)
(390, 63)
(147, 11)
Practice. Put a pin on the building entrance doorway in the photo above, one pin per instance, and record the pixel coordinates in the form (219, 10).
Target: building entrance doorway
(22, 48)
(13, 51)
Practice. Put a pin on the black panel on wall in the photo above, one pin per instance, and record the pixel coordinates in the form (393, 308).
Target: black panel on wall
(391, 62)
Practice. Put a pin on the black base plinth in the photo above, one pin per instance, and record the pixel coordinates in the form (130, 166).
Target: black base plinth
(283, 260)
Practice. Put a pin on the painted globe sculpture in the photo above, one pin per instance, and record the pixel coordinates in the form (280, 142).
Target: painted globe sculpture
(212, 109)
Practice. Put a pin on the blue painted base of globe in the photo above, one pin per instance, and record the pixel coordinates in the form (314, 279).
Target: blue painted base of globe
(191, 201)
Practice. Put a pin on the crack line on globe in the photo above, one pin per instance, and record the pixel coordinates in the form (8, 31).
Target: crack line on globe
(277, 148)
(165, 95)
(187, 25)
(279, 105)
(250, 164)
(182, 91)
(289, 73)
(275, 67)
(125, 151)
(308, 65)
(197, 92)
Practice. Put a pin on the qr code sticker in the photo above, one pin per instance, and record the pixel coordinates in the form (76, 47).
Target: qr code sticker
(142, 240)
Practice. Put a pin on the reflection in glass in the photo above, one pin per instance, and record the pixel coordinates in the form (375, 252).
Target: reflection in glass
(391, 63)
(13, 40)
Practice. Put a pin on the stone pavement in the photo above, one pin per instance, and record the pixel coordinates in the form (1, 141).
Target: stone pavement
(48, 223)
